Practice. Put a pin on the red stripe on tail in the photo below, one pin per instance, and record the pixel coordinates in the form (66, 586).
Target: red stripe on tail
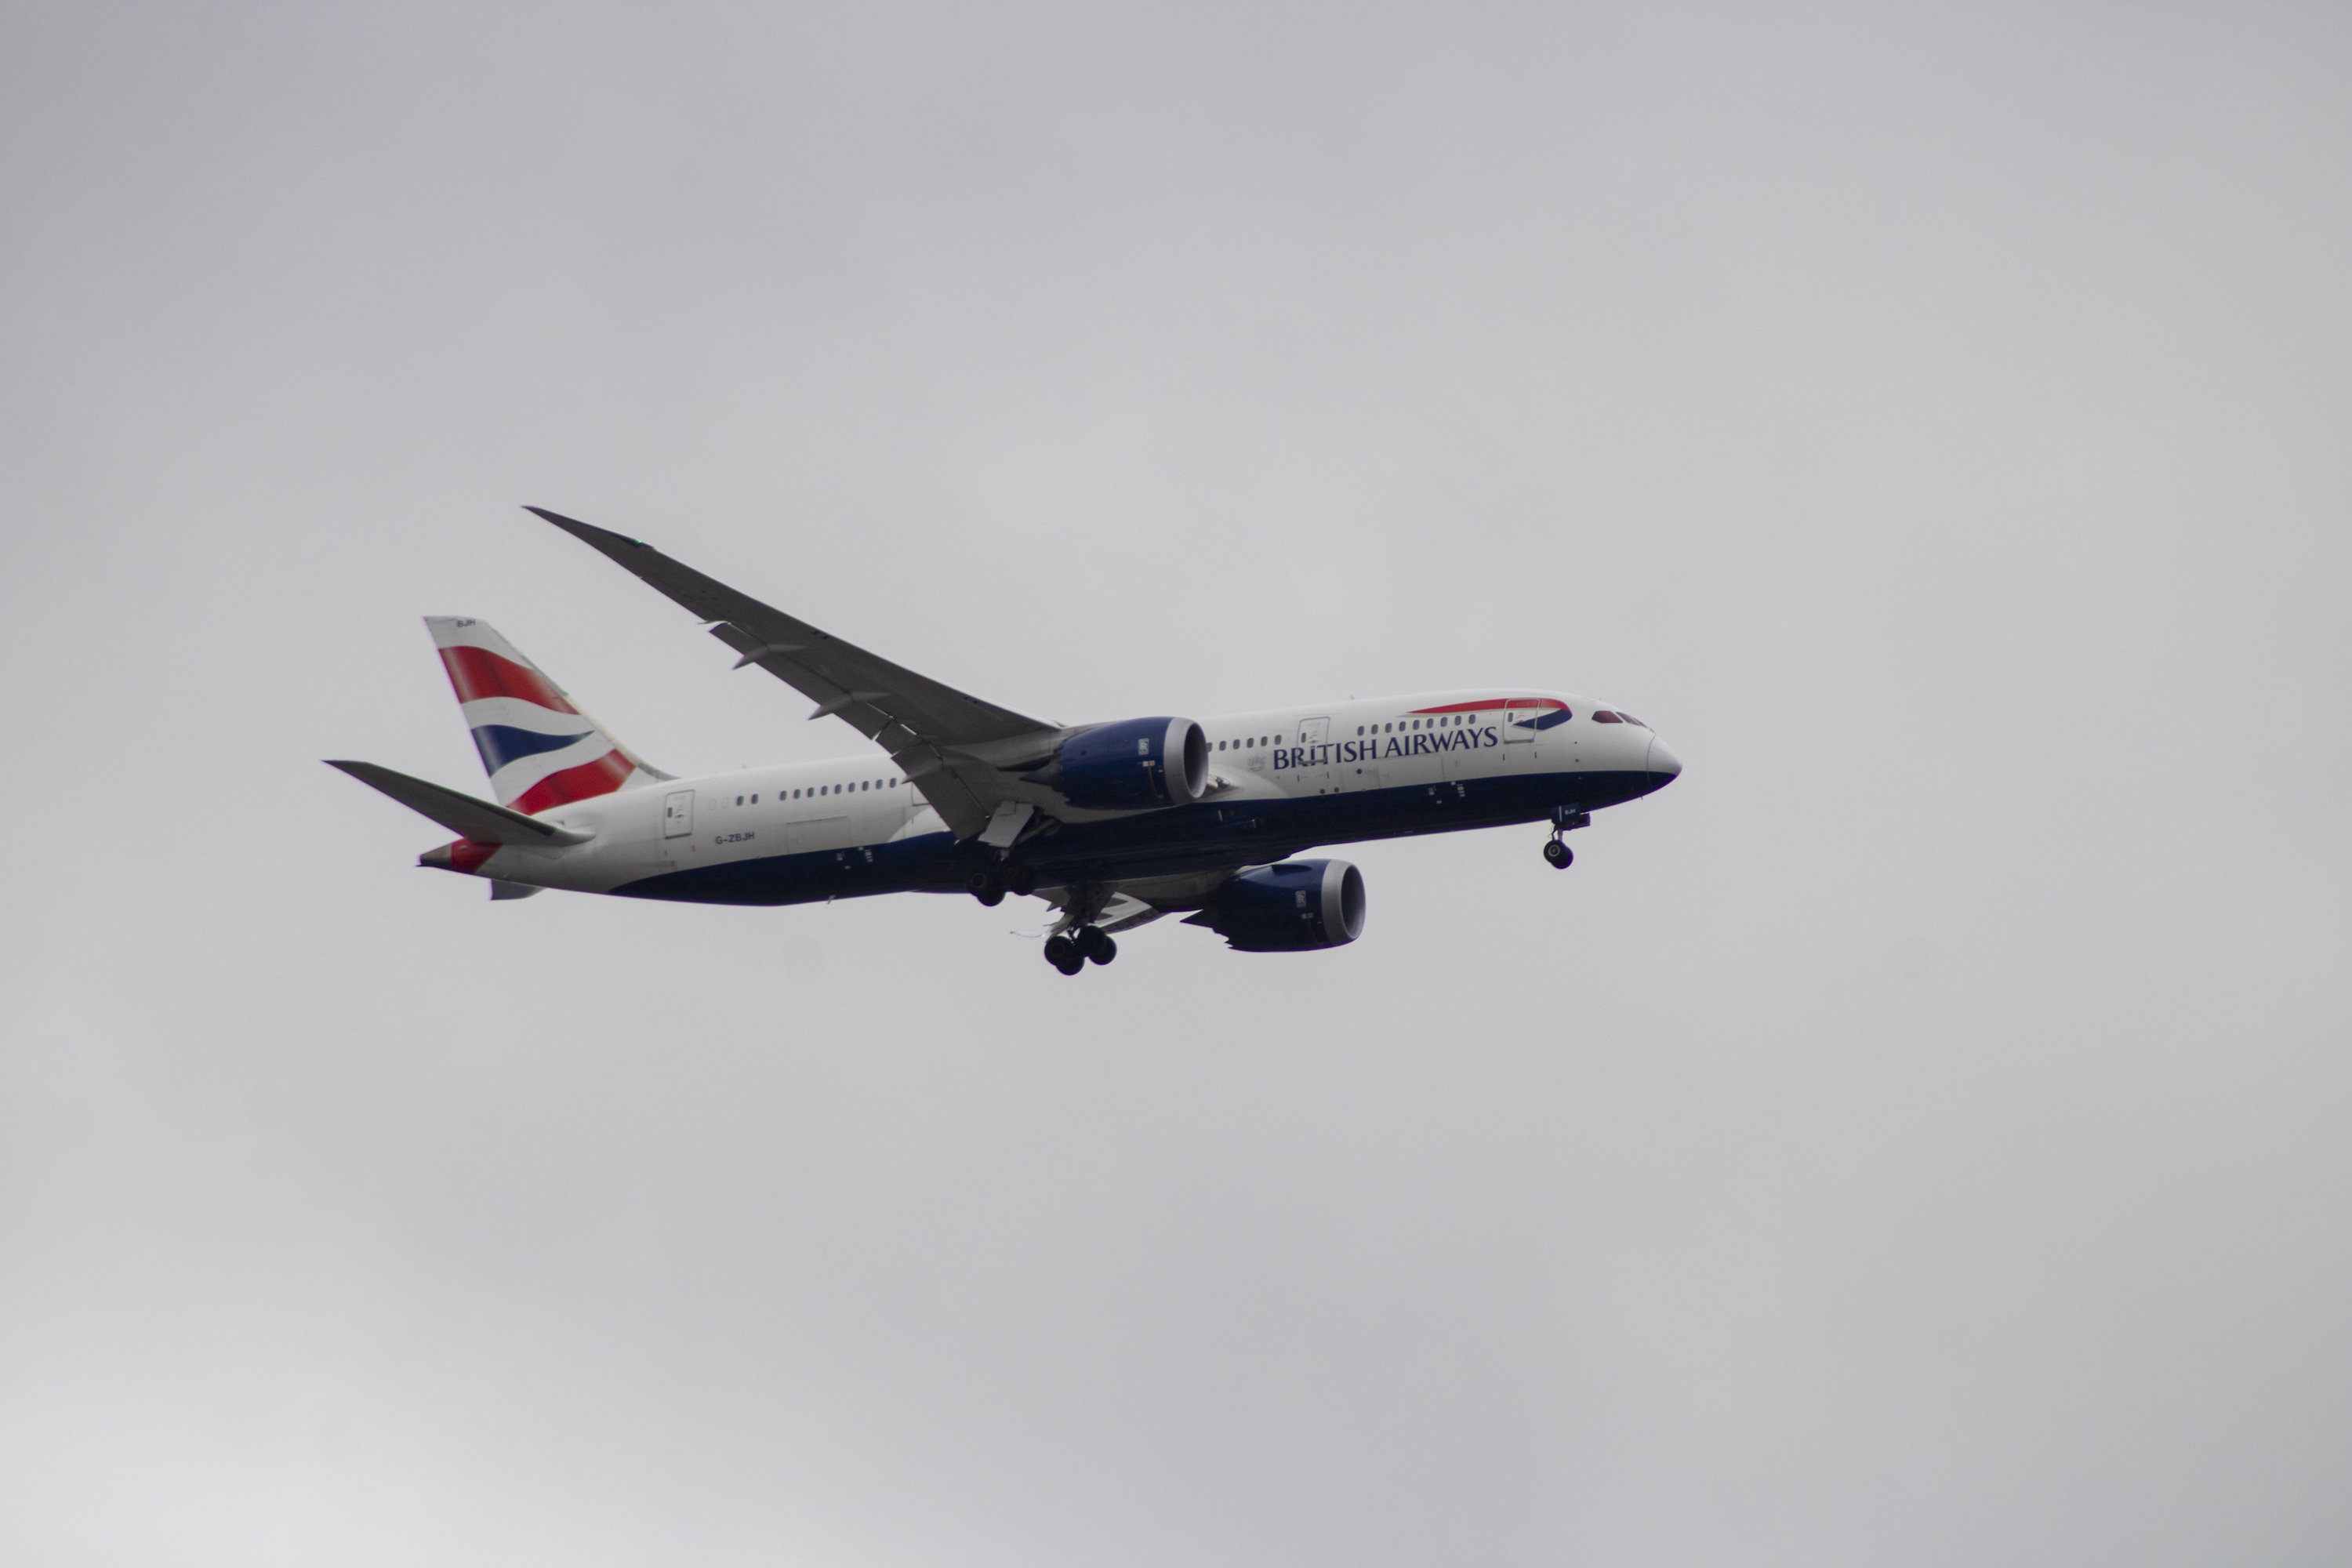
(475, 673)
(589, 780)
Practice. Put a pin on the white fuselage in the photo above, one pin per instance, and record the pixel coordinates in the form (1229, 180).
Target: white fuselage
(855, 804)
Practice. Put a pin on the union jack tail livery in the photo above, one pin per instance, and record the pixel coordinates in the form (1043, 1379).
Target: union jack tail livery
(540, 750)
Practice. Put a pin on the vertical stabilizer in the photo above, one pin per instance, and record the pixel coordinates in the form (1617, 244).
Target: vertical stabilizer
(539, 747)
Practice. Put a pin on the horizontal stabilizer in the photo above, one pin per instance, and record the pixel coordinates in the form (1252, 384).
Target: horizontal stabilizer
(462, 814)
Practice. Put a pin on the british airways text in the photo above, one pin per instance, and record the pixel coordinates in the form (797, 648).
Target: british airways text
(1416, 745)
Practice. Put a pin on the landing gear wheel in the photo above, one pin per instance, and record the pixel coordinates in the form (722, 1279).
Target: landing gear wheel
(1017, 877)
(981, 884)
(1096, 944)
(1560, 855)
(1063, 954)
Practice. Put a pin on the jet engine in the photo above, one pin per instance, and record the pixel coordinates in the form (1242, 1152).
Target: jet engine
(1288, 908)
(1132, 765)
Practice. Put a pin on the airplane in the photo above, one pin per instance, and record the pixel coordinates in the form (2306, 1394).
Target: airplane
(1115, 824)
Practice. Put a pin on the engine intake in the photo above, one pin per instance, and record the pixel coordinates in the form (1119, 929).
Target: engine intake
(1132, 765)
(1291, 908)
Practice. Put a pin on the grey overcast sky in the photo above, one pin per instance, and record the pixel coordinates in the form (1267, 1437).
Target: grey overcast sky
(1918, 1136)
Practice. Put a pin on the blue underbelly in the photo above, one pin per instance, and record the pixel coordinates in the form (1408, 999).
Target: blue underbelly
(1190, 838)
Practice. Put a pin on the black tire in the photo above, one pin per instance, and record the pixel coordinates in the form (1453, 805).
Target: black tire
(1063, 954)
(1091, 941)
(1106, 949)
(1560, 855)
(980, 881)
(991, 898)
(1018, 878)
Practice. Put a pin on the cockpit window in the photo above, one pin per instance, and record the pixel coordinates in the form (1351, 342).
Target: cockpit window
(1631, 720)
(1602, 716)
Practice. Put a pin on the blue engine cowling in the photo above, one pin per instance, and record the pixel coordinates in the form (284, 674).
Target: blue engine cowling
(1132, 765)
(1289, 907)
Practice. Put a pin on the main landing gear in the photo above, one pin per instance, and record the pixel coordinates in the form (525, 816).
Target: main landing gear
(1564, 818)
(1069, 953)
(990, 883)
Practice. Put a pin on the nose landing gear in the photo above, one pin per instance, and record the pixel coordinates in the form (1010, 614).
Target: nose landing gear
(1563, 819)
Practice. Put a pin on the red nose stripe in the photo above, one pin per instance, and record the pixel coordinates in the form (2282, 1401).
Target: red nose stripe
(475, 673)
(1494, 702)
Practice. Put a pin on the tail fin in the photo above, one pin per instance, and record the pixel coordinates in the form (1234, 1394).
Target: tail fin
(538, 750)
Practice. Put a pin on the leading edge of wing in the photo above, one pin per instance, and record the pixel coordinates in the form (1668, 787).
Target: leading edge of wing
(911, 716)
(839, 675)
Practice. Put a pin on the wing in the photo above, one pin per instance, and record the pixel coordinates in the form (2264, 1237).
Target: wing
(956, 748)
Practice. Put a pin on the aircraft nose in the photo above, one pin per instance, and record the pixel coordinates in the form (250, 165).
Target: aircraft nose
(1663, 765)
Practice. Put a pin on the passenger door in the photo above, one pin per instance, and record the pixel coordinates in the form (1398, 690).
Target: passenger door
(1314, 774)
(677, 826)
(1518, 717)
